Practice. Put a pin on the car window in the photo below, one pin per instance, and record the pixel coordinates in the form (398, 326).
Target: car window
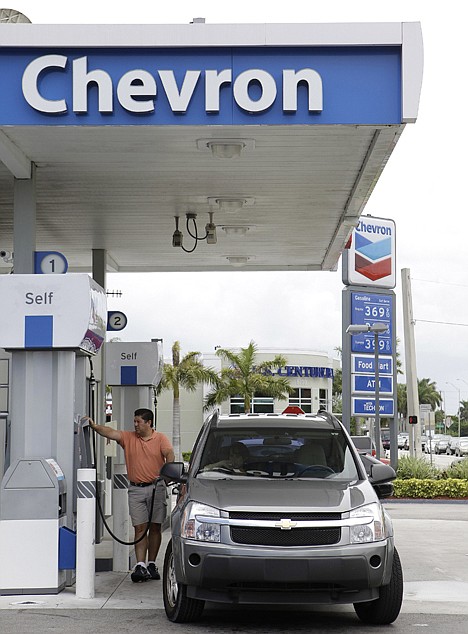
(270, 452)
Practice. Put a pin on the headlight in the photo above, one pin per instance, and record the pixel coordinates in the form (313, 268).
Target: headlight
(196, 524)
(372, 528)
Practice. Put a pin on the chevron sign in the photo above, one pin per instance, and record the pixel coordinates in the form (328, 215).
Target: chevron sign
(369, 259)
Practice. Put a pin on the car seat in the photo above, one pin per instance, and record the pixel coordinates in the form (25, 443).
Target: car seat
(312, 453)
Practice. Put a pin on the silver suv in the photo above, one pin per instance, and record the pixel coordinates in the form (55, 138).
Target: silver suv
(279, 509)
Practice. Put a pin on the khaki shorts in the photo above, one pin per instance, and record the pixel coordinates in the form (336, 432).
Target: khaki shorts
(139, 504)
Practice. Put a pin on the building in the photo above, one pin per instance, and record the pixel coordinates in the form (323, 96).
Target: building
(310, 374)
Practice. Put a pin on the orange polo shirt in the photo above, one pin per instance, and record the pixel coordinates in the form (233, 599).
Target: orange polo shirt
(144, 458)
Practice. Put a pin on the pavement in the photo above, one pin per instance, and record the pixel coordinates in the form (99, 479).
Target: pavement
(430, 537)
(112, 590)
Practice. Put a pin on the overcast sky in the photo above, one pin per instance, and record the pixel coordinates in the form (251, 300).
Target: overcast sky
(422, 188)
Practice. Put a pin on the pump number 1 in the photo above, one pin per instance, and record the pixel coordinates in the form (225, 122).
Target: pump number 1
(50, 262)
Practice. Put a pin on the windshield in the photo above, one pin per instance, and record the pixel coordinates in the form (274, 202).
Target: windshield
(274, 453)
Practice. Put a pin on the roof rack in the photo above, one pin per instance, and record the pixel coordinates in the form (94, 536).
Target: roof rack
(330, 418)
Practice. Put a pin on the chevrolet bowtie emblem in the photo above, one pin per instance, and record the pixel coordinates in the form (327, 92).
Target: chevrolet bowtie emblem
(286, 525)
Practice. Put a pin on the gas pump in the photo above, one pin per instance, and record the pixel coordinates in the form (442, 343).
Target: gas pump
(132, 369)
(33, 502)
(49, 323)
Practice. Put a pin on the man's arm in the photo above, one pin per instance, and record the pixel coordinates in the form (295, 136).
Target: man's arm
(169, 455)
(104, 430)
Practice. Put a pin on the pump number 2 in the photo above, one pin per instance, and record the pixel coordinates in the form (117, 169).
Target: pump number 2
(116, 320)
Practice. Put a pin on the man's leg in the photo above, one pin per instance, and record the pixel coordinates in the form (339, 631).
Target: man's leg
(142, 546)
(139, 515)
(140, 572)
(154, 541)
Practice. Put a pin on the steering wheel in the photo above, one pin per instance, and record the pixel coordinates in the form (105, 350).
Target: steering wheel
(271, 468)
(316, 467)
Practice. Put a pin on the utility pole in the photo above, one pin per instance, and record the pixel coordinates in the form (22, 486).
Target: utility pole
(412, 395)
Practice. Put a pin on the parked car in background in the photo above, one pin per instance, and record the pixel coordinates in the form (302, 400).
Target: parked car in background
(385, 435)
(451, 445)
(403, 440)
(461, 447)
(431, 442)
(441, 444)
(364, 443)
(423, 442)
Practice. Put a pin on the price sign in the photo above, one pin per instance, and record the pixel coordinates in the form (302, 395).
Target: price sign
(370, 308)
(116, 320)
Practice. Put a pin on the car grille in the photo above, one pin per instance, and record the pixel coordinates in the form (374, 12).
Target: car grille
(278, 537)
(281, 586)
(246, 515)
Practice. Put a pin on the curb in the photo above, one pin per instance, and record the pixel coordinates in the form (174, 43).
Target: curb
(425, 501)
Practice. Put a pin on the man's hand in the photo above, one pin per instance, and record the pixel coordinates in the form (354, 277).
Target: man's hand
(91, 423)
(103, 430)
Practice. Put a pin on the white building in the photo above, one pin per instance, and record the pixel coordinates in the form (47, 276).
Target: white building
(310, 374)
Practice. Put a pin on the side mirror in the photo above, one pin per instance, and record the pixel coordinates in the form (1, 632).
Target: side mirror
(381, 473)
(174, 472)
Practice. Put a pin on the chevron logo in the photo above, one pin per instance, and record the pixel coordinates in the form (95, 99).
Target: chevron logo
(373, 259)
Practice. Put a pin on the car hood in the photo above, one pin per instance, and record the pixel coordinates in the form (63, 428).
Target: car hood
(281, 495)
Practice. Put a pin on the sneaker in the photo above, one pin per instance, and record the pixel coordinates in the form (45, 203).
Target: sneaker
(153, 571)
(139, 574)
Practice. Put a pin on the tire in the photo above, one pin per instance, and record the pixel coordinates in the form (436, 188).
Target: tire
(386, 608)
(179, 607)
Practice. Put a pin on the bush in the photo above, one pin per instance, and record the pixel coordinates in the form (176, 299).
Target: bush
(429, 488)
(186, 456)
(457, 470)
(412, 467)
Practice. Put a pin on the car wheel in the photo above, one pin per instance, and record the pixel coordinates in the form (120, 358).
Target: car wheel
(179, 607)
(386, 608)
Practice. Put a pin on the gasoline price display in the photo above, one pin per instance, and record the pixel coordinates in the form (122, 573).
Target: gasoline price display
(371, 308)
(380, 313)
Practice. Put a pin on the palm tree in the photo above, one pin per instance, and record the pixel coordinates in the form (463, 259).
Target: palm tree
(246, 378)
(464, 411)
(337, 387)
(402, 404)
(186, 373)
(428, 394)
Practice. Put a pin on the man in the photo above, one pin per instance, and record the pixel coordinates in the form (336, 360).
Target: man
(146, 450)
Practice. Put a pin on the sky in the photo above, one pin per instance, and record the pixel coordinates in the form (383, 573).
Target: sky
(421, 189)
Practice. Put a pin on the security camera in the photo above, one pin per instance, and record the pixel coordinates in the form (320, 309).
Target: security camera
(177, 238)
(210, 229)
(6, 256)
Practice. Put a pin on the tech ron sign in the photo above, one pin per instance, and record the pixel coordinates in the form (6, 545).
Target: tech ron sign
(369, 259)
(200, 86)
